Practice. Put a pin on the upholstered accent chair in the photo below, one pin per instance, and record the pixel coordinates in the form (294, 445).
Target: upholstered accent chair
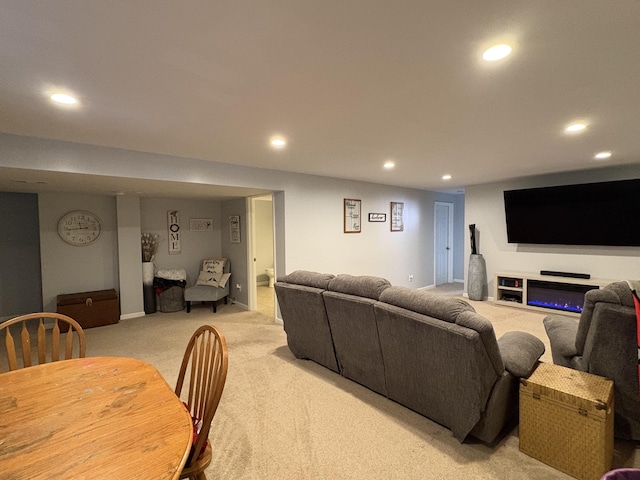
(212, 284)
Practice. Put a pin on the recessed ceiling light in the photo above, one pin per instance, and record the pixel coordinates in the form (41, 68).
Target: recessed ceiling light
(575, 127)
(389, 165)
(602, 155)
(64, 99)
(278, 142)
(446, 177)
(497, 52)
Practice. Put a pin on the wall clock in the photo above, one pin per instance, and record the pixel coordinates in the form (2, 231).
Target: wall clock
(79, 228)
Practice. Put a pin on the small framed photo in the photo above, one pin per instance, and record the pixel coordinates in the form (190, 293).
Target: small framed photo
(377, 217)
(201, 224)
(397, 219)
(352, 220)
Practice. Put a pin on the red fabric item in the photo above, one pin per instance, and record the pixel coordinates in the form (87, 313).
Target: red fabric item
(636, 300)
(197, 426)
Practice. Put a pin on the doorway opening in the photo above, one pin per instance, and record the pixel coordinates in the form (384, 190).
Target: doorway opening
(262, 271)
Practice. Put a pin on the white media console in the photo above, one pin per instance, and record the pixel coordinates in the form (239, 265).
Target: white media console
(547, 293)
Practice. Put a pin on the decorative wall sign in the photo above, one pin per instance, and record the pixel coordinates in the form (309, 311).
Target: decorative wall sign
(352, 209)
(173, 221)
(377, 217)
(201, 224)
(234, 228)
(397, 220)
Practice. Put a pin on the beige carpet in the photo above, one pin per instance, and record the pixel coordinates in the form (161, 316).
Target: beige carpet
(283, 418)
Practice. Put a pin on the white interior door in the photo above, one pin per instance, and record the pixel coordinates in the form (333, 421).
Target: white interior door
(443, 239)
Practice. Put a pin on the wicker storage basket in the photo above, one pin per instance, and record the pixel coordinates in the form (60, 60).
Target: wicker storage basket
(566, 420)
(171, 300)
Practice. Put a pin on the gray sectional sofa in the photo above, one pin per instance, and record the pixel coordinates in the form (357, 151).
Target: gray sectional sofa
(431, 353)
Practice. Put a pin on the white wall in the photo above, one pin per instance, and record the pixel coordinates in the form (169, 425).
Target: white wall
(484, 206)
(69, 269)
(316, 240)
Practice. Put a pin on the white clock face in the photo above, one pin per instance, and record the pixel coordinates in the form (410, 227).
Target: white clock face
(79, 228)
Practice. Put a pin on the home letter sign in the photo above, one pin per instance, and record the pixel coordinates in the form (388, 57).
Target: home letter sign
(173, 221)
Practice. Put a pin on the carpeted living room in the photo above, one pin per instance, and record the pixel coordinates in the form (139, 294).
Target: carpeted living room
(469, 172)
(282, 417)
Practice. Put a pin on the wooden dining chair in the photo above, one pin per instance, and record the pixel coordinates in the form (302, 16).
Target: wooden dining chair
(47, 344)
(200, 383)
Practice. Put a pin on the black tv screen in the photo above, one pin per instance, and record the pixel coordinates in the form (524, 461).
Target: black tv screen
(605, 213)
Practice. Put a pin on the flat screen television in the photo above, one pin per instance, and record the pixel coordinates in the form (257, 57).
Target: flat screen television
(604, 214)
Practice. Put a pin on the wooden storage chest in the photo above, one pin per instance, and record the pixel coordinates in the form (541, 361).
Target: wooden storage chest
(91, 309)
(566, 420)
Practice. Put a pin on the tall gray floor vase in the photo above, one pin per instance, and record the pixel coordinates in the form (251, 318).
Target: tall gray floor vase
(477, 277)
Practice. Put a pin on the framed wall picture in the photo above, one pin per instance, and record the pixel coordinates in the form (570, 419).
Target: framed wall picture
(234, 228)
(201, 224)
(397, 219)
(352, 215)
(377, 217)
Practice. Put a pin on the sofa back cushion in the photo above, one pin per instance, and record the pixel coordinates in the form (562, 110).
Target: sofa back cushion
(361, 286)
(422, 301)
(305, 318)
(310, 279)
(349, 303)
(617, 293)
(440, 369)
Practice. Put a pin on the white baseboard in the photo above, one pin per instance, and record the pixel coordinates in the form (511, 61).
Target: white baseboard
(127, 316)
(241, 305)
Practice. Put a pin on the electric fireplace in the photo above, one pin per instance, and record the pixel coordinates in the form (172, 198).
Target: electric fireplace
(557, 295)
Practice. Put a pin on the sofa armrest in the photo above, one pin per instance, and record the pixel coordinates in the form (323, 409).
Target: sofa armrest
(520, 352)
(562, 333)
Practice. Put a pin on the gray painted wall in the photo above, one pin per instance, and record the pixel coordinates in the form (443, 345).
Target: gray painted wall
(129, 268)
(194, 245)
(70, 269)
(20, 278)
(236, 252)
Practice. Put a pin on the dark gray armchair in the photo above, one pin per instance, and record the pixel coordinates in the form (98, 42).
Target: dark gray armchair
(603, 342)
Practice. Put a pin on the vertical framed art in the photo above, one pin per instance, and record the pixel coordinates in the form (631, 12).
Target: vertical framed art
(352, 215)
(234, 228)
(397, 219)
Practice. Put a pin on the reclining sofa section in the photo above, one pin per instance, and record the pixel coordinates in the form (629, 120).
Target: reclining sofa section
(431, 353)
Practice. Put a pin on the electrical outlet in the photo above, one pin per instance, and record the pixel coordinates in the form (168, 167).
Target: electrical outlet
(238, 287)
(410, 277)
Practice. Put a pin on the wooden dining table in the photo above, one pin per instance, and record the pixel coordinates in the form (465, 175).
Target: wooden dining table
(91, 418)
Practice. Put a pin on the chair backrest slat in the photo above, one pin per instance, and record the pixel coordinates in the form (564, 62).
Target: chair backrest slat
(55, 342)
(43, 344)
(11, 351)
(25, 340)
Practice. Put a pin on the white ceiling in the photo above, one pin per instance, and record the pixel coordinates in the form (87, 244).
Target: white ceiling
(350, 83)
